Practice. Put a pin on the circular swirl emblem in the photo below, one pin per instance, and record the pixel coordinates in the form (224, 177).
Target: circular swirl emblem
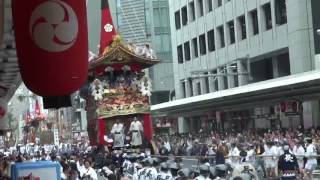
(54, 26)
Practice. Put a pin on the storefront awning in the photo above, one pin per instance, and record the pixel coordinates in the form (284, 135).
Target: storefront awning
(304, 86)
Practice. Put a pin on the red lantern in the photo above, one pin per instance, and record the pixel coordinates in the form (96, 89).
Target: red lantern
(2, 112)
(283, 107)
(52, 45)
(294, 106)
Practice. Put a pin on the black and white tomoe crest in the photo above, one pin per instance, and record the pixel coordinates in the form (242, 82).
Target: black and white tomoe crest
(54, 26)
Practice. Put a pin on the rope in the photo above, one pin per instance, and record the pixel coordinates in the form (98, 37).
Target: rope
(198, 157)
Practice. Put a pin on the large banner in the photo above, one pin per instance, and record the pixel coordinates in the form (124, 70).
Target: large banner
(41, 170)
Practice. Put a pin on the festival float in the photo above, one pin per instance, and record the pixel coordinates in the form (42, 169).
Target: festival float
(118, 88)
(35, 125)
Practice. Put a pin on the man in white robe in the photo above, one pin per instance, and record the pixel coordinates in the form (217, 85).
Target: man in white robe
(136, 129)
(311, 154)
(117, 132)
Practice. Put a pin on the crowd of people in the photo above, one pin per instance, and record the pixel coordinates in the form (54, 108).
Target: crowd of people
(247, 155)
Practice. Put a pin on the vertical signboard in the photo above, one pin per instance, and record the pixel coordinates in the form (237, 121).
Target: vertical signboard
(56, 137)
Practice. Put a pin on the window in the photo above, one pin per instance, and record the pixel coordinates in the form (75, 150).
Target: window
(183, 89)
(180, 54)
(221, 35)
(192, 15)
(267, 16)
(231, 32)
(198, 88)
(195, 48)
(218, 3)
(207, 84)
(211, 40)
(177, 19)
(184, 14)
(242, 27)
(200, 7)
(254, 22)
(202, 42)
(208, 5)
(281, 12)
(187, 51)
(190, 86)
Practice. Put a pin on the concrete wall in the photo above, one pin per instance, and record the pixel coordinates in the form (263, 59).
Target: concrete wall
(295, 35)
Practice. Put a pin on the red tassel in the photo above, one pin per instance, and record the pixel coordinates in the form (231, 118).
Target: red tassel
(147, 126)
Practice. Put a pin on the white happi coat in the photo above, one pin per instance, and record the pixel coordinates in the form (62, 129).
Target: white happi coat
(118, 134)
(310, 153)
(136, 128)
(164, 176)
(300, 153)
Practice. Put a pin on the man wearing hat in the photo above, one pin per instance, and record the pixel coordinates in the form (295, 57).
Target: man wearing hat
(164, 173)
(174, 168)
(204, 172)
(288, 165)
(126, 165)
(148, 172)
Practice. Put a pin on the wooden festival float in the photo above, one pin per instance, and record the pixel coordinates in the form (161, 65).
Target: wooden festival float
(118, 89)
(35, 124)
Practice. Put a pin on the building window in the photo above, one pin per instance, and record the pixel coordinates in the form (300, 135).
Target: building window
(231, 32)
(198, 86)
(200, 8)
(177, 19)
(281, 12)
(184, 14)
(242, 27)
(187, 51)
(180, 54)
(195, 48)
(211, 41)
(207, 84)
(221, 36)
(192, 15)
(202, 42)
(217, 3)
(267, 16)
(208, 5)
(190, 86)
(254, 22)
(183, 88)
